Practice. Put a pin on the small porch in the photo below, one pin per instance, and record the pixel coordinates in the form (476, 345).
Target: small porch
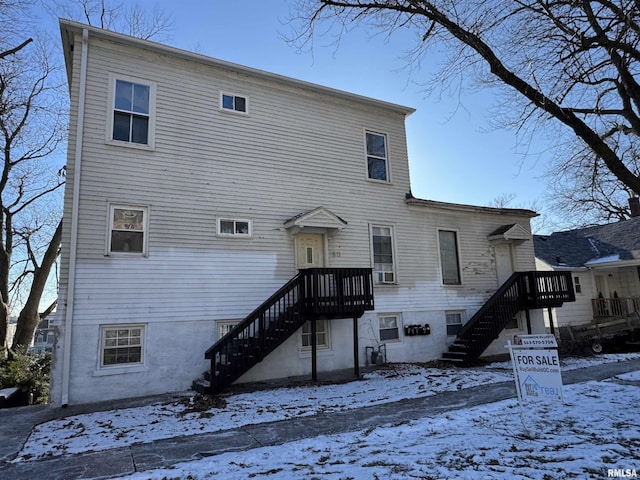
(615, 307)
(616, 292)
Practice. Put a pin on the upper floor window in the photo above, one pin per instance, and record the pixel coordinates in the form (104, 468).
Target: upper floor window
(234, 103)
(377, 161)
(383, 265)
(230, 227)
(133, 110)
(127, 229)
(449, 261)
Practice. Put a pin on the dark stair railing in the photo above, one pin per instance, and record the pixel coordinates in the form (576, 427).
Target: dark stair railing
(313, 293)
(522, 291)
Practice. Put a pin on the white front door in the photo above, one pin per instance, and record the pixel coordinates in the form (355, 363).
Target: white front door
(309, 250)
(504, 261)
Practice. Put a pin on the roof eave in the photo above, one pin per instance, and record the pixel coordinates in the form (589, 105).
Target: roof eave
(76, 27)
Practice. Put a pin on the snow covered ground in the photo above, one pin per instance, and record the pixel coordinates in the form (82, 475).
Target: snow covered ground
(598, 428)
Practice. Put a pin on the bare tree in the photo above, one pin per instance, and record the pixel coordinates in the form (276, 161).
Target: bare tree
(32, 125)
(33, 106)
(149, 23)
(574, 61)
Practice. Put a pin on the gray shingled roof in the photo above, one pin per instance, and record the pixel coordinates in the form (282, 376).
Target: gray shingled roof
(574, 248)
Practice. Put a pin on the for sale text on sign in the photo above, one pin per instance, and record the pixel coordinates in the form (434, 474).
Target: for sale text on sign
(538, 374)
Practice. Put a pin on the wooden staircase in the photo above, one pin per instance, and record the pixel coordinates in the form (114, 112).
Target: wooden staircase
(313, 293)
(522, 291)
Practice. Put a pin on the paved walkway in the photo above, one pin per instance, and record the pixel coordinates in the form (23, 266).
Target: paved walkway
(16, 424)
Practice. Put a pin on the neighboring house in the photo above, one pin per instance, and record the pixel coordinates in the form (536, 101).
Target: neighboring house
(604, 264)
(44, 336)
(197, 188)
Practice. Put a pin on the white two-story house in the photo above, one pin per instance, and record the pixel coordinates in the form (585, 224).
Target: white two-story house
(224, 219)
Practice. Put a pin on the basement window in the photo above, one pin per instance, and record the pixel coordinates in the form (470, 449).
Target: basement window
(322, 337)
(389, 331)
(122, 345)
(454, 323)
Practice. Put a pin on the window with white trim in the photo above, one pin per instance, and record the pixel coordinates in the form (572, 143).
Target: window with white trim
(377, 161)
(322, 337)
(389, 328)
(127, 229)
(382, 245)
(234, 103)
(121, 345)
(576, 285)
(233, 227)
(454, 323)
(133, 103)
(225, 327)
(449, 261)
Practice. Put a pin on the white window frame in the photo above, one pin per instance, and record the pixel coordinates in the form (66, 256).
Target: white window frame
(122, 366)
(398, 327)
(235, 221)
(145, 230)
(460, 313)
(393, 270)
(319, 346)
(150, 145)
(225, 326)
(233, 110)
(458, 257)
(577, 285)
(387, 178)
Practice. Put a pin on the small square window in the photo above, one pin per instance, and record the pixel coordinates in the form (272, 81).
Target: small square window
(229, 227)
(122, 345)
(127, 229)
(234, 103)
(388, 326)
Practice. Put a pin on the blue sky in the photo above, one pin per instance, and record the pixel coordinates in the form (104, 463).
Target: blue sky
(452, 156)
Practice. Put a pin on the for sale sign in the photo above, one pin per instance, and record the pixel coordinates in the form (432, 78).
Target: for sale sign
(536, 370)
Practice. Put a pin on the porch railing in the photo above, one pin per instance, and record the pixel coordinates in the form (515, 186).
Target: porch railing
(615, 307)
(313, 293)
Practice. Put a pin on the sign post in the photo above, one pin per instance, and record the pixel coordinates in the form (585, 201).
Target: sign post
(536, 368)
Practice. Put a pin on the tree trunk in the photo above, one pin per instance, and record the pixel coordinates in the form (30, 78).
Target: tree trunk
(29, 317)
(4, 327)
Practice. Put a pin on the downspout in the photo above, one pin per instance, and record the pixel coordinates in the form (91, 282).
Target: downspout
(73, 247)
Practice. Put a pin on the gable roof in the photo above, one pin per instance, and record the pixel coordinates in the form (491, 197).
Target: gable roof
(69, 28)
(589, 246)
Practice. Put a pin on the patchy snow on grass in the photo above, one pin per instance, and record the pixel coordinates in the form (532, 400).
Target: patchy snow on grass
(578, 439)
(123, 427)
